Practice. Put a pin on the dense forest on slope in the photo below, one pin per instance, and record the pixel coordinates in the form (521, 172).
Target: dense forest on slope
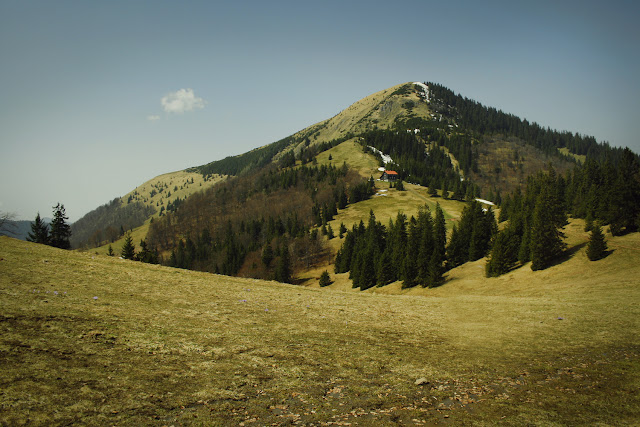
(108, 222)
(597, 191)
(259, 225)
(236, 165)
(429, 167)
(474, 116)
(412, 251)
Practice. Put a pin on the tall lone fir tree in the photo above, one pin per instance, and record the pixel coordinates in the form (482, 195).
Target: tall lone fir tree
(60, 232)
(597, 247)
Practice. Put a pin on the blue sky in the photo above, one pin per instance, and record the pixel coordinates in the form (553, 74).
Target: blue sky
(82, 84)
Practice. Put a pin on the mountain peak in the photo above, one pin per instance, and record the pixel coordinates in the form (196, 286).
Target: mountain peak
(379, 110)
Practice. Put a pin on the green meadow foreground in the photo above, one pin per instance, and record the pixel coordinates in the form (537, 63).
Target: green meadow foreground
(87, 339)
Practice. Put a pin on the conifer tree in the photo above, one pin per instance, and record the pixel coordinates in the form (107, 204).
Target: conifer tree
(385, 273)
(440, 231)
(343, 230)
(426, 244)
(524, 253)
(504, 253)
(398, 237)
(330, 234)
(410, 267)
(60, 231)
(436, 271)
(456, 249)
(325, 280)
(546, 237)
(597, 247)
(147, 255)
(39, 231)
(410, 271)
(267, 255)
(283, 269)
(128, 250)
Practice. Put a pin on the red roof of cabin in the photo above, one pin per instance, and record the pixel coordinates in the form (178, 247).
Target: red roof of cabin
(391, 172)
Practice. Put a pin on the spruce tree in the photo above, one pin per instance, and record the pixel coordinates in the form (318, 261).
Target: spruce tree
(147, 255)
(283, 269)
(128, 250)
(325, 280)
(39, 231)
(385, 273)
(342, 230)
(426, 245)
(436, 271)
(267, 255)
(546, 237)
(504, 253)
(597, 247)
(60, 231)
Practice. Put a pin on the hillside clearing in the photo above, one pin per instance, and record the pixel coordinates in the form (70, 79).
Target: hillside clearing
(97, 340)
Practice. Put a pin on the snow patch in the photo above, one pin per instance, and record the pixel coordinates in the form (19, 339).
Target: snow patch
(486, 202)
(425, 91)
(386, 159)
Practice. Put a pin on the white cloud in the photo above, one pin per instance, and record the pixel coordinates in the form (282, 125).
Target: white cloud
(153, 118)
(182, 100)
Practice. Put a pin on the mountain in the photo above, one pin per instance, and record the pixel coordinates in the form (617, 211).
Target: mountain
(107, 223)
(259, 214)
(19, 229)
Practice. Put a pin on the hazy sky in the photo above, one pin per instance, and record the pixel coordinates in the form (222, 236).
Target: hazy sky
(98, 97)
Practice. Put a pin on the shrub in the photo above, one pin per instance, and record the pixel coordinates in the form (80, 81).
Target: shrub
(325, 280)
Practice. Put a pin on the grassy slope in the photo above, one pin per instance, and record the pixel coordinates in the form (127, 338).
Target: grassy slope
(161, 346)
(377, 110)
(180, 179)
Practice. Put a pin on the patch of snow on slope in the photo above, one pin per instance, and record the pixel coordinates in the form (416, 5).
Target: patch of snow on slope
(425, 90)
(486, 202)
(386, 159)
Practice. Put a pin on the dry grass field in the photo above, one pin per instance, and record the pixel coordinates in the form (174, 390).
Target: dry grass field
(88, 339)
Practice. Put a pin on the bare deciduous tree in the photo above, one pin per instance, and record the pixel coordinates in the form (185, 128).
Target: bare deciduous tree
(7, 226)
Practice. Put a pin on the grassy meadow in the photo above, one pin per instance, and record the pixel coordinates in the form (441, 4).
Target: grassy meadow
(87, 339)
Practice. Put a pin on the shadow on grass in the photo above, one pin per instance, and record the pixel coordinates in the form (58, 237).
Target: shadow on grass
(572, 251)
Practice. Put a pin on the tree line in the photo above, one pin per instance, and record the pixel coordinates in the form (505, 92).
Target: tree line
(476, 117)
(56, 234)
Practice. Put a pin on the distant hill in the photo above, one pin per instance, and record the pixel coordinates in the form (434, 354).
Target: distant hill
(19, 229)
(107, 223)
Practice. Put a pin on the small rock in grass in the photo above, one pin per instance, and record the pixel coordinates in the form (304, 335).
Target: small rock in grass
(421, 381)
